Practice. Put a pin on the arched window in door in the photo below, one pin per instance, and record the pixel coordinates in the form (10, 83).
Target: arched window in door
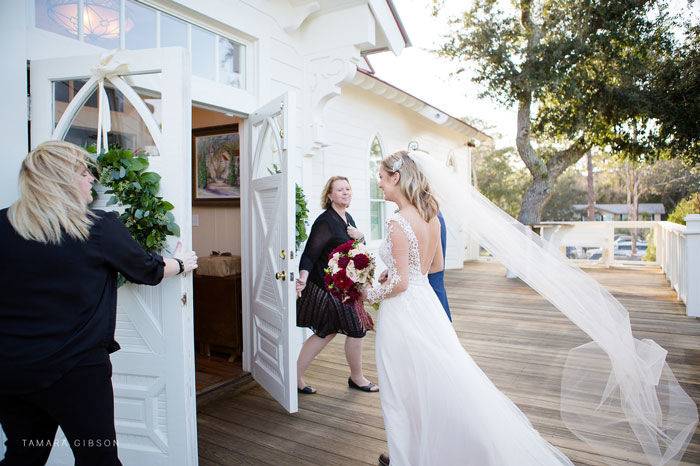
(376, 197)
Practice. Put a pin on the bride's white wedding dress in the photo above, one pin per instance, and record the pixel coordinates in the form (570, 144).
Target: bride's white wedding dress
(439, 407)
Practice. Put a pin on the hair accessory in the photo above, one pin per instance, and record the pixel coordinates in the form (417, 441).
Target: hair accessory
(396, 166)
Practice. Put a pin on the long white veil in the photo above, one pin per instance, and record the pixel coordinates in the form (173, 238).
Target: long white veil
(618, 394)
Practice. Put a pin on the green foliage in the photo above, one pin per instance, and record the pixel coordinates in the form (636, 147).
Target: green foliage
(274, 169)
(607, 73)
(202, 172)
(650, 254)
(302, 215)
(690, 205)
(146, 215)
(664, 181)
(569, 189)
(500, 178)
(676, 109)
(588, 65)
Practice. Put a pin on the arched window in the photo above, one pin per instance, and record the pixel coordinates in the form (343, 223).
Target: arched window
(376, 198)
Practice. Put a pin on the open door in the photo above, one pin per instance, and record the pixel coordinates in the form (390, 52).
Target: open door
(153, 373)
(268, 209)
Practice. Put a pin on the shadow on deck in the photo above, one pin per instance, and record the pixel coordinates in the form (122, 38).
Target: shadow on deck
(500, 322)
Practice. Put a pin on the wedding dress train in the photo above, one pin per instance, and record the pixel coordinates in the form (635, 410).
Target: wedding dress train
(439, 407)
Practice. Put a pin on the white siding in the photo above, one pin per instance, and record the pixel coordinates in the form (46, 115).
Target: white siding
(352, 120)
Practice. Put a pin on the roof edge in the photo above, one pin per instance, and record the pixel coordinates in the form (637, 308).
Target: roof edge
(420, 106)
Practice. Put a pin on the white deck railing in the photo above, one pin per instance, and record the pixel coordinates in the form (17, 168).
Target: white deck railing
(673, 247)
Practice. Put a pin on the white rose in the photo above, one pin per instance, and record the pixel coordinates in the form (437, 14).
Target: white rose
(352, 273)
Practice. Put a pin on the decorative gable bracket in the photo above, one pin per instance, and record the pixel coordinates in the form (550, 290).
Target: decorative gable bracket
(326, 73)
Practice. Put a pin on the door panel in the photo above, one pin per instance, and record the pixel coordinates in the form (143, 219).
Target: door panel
(268, 210)
(153, 373)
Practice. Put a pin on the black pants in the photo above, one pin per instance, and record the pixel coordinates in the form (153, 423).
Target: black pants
(81, 403)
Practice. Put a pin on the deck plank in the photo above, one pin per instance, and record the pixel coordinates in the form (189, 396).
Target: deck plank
(501, 323)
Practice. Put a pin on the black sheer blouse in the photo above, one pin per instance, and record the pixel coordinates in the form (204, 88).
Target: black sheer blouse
(58, 303)
(327, 233)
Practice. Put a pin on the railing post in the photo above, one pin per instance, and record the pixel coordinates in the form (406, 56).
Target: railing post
(692, 263)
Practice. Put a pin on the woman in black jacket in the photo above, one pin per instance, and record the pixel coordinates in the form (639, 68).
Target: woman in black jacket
(58, 308)
(317, 309)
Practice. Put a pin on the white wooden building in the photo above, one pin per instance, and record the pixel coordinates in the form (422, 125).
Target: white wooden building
(292, 75)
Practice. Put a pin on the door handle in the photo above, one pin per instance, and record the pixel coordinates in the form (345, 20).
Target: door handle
(281, 275)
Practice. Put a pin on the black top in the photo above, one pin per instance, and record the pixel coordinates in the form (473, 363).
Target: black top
(58, 303)
(327, 233)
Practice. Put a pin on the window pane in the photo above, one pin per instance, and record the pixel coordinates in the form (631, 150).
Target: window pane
(376, 219)
(56, 17)
(101, 23)
(231, 57)
(173, 32)
(140, 26)
(269, 158)
(203, 59)
(128, 128)
(374, 191)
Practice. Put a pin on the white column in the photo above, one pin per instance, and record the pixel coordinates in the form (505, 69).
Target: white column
(13, 112)
(692, 264)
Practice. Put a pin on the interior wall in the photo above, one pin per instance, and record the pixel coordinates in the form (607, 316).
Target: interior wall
(215, 228)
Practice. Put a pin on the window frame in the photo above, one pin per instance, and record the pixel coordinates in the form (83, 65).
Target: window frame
(371, 200)
(247, 42)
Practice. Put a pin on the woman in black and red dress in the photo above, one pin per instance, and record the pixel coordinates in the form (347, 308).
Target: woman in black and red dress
(317, 309)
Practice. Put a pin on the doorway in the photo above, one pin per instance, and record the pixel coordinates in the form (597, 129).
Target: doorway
(216, 238)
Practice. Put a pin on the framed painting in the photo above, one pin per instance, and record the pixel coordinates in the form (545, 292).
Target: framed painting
(216, 168)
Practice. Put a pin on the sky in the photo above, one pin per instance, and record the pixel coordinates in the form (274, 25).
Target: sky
(422, 73)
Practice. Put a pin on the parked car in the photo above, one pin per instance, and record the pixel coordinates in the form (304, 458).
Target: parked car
(624, 249)
(594, 254)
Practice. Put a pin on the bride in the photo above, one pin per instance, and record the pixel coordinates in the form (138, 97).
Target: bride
(440, 408)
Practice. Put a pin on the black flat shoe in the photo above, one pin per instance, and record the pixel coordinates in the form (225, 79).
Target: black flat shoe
(383, 460)
(367, 388)
(306, 390)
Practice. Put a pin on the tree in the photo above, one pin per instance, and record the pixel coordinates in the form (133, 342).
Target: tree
(691, 205)
(498, 177)
(569, 189)
(577, 71)
(590, 190)
(669, 182)
(676, 110)
(664, 181)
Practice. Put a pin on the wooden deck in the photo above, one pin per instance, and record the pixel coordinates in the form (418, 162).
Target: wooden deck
(500, 322)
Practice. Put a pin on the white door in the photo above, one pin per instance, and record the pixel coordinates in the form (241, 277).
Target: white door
(268, 208)
(153, 373)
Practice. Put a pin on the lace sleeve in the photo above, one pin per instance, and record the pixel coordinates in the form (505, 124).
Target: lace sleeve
(397, 282)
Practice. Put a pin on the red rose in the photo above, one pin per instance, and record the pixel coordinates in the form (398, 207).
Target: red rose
(345, 247)
(341, 280)
(343, 262)
(361, 261)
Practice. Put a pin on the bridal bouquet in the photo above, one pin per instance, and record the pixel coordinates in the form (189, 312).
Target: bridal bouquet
(350, 269)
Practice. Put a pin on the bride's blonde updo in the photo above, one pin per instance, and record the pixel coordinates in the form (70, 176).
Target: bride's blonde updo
(412, 183)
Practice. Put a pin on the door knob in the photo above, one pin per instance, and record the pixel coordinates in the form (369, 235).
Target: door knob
(281, 275)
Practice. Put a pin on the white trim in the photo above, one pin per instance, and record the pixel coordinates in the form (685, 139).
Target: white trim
(389, 25)
(378, 87)
(122, 22)
(202, 21)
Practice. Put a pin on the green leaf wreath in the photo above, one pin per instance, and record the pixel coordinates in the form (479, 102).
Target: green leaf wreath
(146, 215)
(302, 214)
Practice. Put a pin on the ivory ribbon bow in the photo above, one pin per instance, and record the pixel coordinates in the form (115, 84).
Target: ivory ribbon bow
(107, 68)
